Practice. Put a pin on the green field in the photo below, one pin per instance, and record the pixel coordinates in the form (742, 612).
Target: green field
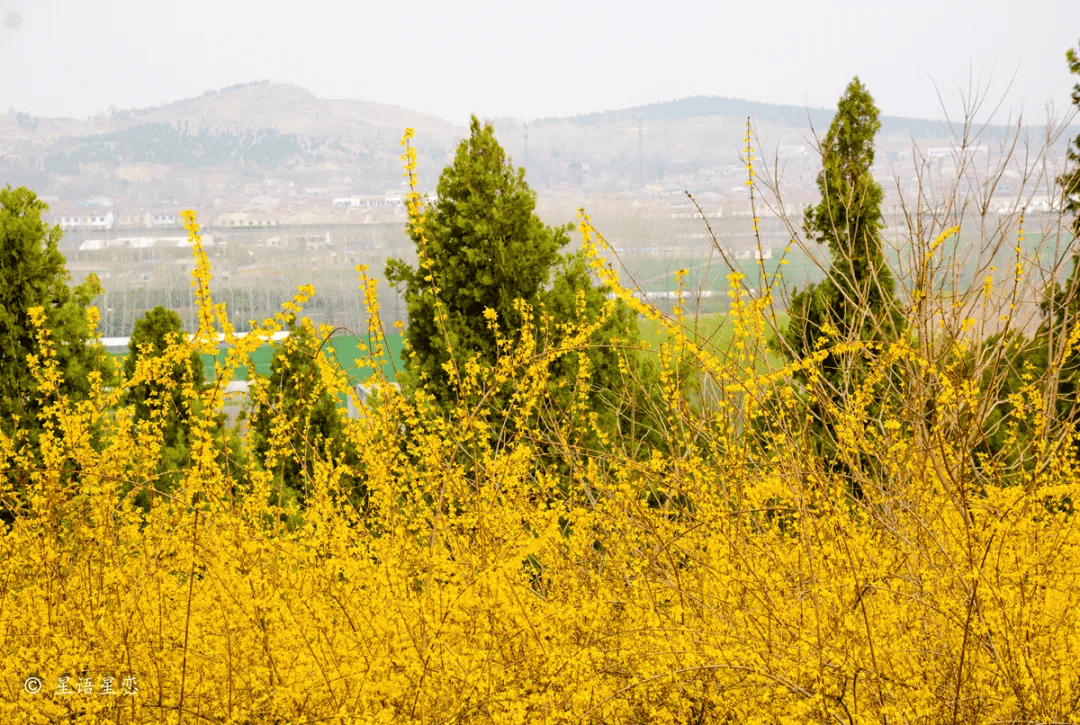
(343, 348)
(713, 333)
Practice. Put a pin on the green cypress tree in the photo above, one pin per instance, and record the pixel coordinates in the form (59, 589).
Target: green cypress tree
(1061, 304)
(1060, 308)
(1070, 181)
(488, 248)
(857, 299)
(33, 274)
(153, 333)
(858, 296)
(312, 418)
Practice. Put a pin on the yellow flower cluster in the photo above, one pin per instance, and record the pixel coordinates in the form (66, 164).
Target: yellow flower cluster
(416, 227)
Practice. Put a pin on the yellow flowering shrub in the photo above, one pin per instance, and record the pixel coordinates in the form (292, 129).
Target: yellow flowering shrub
(728, 582)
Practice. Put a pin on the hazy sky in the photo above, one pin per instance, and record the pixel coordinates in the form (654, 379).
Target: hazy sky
(552, 57)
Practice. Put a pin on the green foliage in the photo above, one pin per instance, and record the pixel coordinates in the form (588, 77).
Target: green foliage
(1060, 305)
(1063, 304)
(298, 403)
(32, 274)
(488, 248)
(857, 297)
(1006, 430)
(154, 332)
(1010, 359)
(1070, 181)
(633, 410)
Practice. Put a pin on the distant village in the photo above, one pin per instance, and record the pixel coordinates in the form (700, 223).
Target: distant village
(719, 190)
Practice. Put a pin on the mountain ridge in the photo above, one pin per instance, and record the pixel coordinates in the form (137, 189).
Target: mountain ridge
(237, 133)
(789, 115)
(266, 104)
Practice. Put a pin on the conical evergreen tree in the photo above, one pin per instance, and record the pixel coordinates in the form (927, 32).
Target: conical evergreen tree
(33, 274)
(153, 334)
(857, 298)
(1061, 303)
(488, 248)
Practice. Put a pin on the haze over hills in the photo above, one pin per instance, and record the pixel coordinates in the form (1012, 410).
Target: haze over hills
(268, 125)
(234, 137)
(294, 188)
(785, 115)
(261, 104)
(349, 132)
(287, 109)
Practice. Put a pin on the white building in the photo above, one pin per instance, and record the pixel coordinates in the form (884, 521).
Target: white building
(101, 221)
(97, 220)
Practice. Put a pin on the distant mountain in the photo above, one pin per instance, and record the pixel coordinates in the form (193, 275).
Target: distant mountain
(785, 115)
(287, 109)
(257, 129)
(270, 125)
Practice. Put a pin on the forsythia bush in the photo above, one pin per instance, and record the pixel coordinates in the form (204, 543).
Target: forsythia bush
(733, 582)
